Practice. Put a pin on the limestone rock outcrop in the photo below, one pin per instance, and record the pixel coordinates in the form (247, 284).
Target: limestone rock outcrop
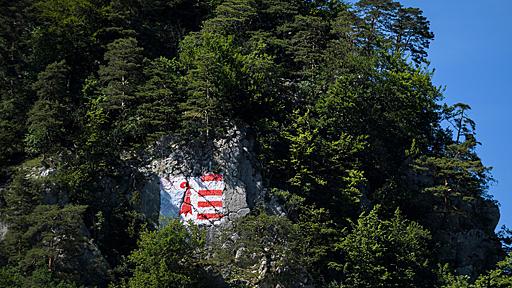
(230, 156)
(469, 242)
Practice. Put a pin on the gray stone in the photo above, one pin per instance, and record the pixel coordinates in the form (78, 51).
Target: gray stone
(3, 230)
(230, 155)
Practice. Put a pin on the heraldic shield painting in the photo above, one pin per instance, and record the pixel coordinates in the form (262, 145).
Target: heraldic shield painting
(196, 199)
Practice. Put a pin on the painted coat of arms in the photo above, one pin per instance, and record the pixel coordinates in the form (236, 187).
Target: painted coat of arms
(196, 199)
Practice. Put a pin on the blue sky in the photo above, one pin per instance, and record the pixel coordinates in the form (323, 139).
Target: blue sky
(472, 57)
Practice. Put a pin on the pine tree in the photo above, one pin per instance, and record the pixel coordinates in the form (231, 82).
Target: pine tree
(233, 17)
(391, 27)
(158, 100)
(412, 33)
(457, 171)
(120, 75)
(44, 233)
(119, 80)
(49, 117)
(14, 74)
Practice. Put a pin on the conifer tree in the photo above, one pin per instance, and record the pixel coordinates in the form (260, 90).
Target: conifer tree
(118, 80)
(336, 96)
(120, 75)
(49, 117)
(44, 233)
(233, 17)
(158, 100)
(14, 74)
(457, 171)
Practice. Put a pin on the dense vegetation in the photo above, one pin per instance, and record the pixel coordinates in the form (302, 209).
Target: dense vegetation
(353, 139)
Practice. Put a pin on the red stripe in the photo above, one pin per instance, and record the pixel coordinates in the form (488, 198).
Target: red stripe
(207, 216)
(212, 177)
(203, 204)
(210, 192)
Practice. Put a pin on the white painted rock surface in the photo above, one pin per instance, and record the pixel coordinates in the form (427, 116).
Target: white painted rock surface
(206, 184)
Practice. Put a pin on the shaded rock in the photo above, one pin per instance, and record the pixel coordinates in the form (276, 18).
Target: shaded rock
(230, 156)
(3, 230)
(466, 236)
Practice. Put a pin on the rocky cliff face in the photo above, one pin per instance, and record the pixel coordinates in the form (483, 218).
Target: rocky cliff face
(230, 157)
(86, 254)
(3, 230)
(469, 242)
(467, 235)
(463, 228)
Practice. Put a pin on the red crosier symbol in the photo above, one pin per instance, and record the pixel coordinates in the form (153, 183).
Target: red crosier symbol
(186, 207)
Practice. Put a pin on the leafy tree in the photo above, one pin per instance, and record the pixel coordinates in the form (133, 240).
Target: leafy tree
(168, 257)
(500, 277)
(337, 97)
(223, 82)
(68, 30)
(496, 278)
(448, 280)
(320, 169)
(384, 253)
(265, 251)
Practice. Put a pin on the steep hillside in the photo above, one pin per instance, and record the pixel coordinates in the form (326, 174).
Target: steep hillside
(235, 143)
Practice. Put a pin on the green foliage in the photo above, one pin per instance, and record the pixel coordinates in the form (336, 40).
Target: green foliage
(448, 280)
(386, 253)
(121, 74)
(458, 173)
(45, 126)
(47, 120)
(14, 80)
(500, 277)
(319, 166)
(158, 99)
(337, 97)
(40, 236)
(49, 230)
(119, 79)
(260, 250)
(169, 257)
(223, 82)
(42, 278)
(11, 130)
(160, 24)
(232, 17)
(390, 26)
